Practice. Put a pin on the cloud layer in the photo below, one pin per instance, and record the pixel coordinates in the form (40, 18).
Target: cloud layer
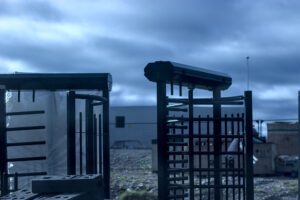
(122, 37)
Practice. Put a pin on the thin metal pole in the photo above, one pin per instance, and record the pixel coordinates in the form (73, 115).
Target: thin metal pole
(16, 184)
(243, 157)
(162, 155)
(249, 146)
(89, 135)
(239, 157)
(71, 136)
(80, 142)
(100, 143)
(3, 149)
(95, 144)
(106, 144)
(191, 143)
(248, 73)
(208, 155)
(226, 160)
(200, 157)
(217, 144)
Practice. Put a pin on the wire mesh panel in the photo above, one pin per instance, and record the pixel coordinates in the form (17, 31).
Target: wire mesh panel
(200, 163)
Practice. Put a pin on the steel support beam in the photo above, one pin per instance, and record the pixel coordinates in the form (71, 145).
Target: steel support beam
(217, 144)
(106, 153)
(89, 119)
(3, 149)
(162, 147)
(249, 146)
(191, 143)
(71, 135)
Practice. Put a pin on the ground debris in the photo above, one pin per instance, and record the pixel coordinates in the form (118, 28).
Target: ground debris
(131, 171)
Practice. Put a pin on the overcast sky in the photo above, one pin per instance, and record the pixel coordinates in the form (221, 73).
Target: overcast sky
(121, 37)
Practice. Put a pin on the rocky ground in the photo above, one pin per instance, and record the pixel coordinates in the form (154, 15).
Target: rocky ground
(131, 171)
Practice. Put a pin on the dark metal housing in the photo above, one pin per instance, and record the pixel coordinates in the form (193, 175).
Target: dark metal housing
(53, 81)
(180, 74)
(194, 158)
(97, 148)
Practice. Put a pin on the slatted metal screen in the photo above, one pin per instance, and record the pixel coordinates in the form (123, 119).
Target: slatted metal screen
(59, 82)
(201, 157)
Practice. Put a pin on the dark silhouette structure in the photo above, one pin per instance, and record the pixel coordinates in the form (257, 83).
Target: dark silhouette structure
(178, 134)
(97, 148)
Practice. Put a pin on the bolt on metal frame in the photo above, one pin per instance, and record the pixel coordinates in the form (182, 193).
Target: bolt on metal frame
(227, 172)
(54, 82)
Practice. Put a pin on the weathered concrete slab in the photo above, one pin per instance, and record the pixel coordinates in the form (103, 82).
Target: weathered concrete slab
(67, 184)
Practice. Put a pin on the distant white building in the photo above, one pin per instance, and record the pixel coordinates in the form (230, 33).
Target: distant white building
(140, 123)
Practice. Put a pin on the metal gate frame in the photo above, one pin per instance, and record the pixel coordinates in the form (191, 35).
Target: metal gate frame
(171, 73)
(52, 82)
(91, 130)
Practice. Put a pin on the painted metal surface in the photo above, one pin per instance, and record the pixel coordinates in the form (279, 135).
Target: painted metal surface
(218, 178)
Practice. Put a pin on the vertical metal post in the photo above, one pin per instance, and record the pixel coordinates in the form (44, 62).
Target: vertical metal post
(106, 144)
(217, 143)
(100, 143)
(95, 145)
(3, 150)
(191, 142)
(16, 181)
(162, 149)
(80, 142)
(89, 118)
(299, 144)
(71, 135)
(249, 146)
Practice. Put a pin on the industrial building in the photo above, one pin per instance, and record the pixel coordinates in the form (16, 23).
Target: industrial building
(285, 136)
(137, 124)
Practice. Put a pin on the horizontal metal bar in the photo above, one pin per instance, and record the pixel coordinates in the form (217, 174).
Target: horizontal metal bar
(178, 178)
(205, 101)
(175, 170)
(204, 136)
(233, 98)
(177, 161)
(221, 170)
(205, 119)
(177, 109)
(26, 159)
(92, 97)
(177, 143)
(203, 153)
(56, 81)
(25, 113)
(24, 128)
(178, 196)
(176, 105)
(97, 104)
(220, 186)
(181, 186)
(173, 121)
(177, 127)
(25, 143)
(27, 174)
(178, 186)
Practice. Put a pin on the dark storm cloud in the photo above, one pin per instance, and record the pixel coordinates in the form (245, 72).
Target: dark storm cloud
(121, 38)
(38, 10)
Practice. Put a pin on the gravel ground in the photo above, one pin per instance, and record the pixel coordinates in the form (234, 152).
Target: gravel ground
(131, 171)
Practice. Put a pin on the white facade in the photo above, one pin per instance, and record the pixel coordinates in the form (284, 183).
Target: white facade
(140, 122)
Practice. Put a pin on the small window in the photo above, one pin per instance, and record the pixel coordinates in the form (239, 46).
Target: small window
(120, 122)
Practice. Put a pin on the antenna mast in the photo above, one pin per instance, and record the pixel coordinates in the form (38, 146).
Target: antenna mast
(248, 72)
